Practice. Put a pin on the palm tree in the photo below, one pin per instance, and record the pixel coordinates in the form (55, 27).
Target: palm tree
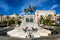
(59, 19)
(1, 19)
(48, 20)
(55, 18)
(17, 15)
(49, 16)
(7, 20)
(54, 14)
(17, 19)
(20, 17)
(41, 19)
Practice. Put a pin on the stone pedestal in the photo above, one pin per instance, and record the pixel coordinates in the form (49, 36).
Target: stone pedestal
(29, 28)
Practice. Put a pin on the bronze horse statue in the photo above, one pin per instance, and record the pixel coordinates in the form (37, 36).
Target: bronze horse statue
(30, 9)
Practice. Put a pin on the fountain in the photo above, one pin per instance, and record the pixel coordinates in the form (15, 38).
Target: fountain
(29, 29)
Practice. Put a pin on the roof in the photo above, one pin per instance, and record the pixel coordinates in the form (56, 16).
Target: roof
(58, 14)
(43, 12)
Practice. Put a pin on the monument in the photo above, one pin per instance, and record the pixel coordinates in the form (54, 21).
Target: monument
(29, 27)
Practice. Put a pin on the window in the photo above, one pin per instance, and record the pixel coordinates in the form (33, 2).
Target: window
(37, 15)
(29, 19)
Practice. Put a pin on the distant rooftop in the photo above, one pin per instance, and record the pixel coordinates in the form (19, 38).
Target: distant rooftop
(43, 12)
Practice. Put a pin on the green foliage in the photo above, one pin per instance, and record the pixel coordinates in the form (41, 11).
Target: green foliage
(11, 22)
(1, 17)
(48, 22)
(4, 22)
(19, 22)
(41, 19)
(57, 25)
(53, 21)
(20, 17)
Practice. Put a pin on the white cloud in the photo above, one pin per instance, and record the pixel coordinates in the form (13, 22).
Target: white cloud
(37, 2)
(22, 13)
(32, 3)
(54, 6)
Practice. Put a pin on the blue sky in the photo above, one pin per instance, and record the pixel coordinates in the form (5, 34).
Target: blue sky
(8, 7)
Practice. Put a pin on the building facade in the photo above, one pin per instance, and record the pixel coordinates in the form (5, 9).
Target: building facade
(58, 18)
(44, 14)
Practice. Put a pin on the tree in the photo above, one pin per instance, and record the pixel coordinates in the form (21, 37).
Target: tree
(52, 22)
(17, 18)
(48, 21)
(1, 19)
(4, 22)
(20, 17)
(7, 20)
(49, 16)
(41, 19)
(11, 22)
